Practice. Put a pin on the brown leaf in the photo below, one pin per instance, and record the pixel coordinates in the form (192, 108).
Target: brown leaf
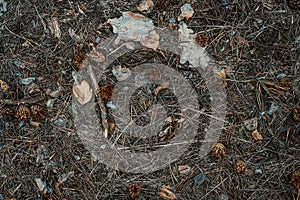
(160, 87)
(222, 75)
(256, 135)
(83, 92)
(165, 193)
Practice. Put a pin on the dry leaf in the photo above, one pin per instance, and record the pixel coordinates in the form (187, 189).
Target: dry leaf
(145, 5)
(256, 135)
(83, 92)
(160, 87)
(222, 75)
(251, 124)
(54, 27)
(166, 193)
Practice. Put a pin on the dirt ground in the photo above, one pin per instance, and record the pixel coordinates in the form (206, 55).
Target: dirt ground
(257, 43)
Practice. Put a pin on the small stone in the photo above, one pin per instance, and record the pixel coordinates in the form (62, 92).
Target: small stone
(199, 179)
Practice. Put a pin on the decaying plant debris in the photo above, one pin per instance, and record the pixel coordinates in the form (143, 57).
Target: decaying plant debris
(43, 43)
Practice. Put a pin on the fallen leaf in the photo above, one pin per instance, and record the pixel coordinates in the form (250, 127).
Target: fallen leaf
(256, 135)
(83, 92)
(145, 5)
(165, 193)
(160, 87)
(222, 75)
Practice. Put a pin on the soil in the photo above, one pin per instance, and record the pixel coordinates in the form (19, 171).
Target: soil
(257, 43)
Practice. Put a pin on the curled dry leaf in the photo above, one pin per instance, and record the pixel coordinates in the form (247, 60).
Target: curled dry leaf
(161, 87)
(145, 5)
(256, 135)
(165, 193)
(83, 92)
(222, 75)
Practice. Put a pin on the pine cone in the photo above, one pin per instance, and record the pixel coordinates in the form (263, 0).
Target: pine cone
(134, 189)
(202, 40)
(239, 167)
(218, 150)
(294, 4)
(295, 179)
(38, 112)
(296, 114)
(7, 114)
(23, 113)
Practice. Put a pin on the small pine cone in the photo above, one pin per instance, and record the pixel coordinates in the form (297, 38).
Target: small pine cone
(239, 167)
(23, 113)
(218, 150)
(295, 179)
(202, 39)
(296, 114)
(106, 92)
(294, 4)
(7, 114)
(134, 189)
(78, 59)
(38, 112)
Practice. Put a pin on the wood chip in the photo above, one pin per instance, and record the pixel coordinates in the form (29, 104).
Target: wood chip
(165, 193)
(256, 135)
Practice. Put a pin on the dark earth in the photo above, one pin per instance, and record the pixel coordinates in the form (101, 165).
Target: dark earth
(257, 43)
